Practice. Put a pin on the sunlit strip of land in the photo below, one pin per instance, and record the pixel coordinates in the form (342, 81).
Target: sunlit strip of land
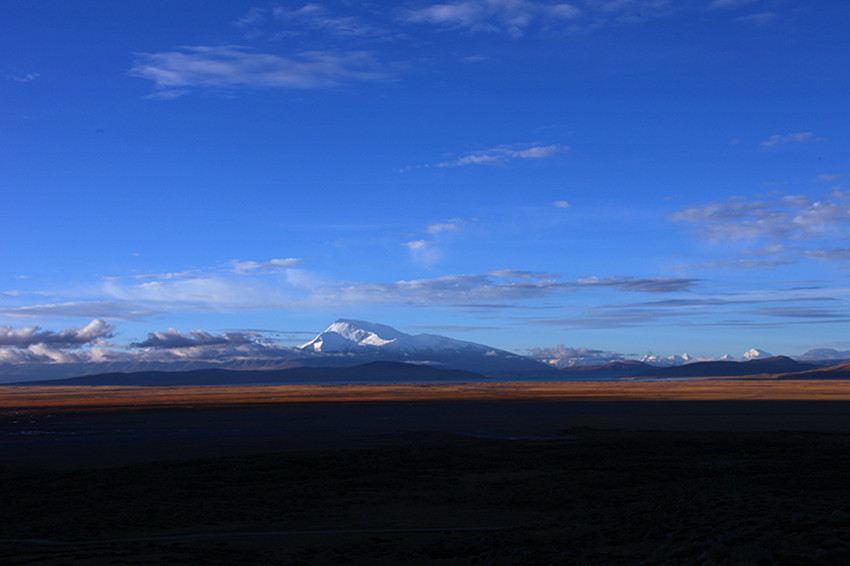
(56, 398)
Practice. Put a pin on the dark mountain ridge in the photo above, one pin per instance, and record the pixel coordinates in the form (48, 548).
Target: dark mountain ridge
(772, 365)
(372, 372)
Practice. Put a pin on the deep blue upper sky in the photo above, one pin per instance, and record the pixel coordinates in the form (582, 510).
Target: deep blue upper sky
(622, 175)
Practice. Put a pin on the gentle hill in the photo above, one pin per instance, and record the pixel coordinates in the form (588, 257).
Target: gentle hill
(841, 371)
(373, 371)
(612, 370)
(758, 366)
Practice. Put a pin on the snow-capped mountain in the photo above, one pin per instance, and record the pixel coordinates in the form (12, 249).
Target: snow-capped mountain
(673, 360)
(755, 353)
(348, 340)
(350, 335)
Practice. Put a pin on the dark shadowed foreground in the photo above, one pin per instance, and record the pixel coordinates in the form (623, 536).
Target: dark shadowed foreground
(467, 482)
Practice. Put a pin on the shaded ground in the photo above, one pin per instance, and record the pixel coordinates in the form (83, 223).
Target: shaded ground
(596, 497)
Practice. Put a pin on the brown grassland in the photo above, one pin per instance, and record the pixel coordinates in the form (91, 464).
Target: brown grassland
(54, 398)
(705, 473)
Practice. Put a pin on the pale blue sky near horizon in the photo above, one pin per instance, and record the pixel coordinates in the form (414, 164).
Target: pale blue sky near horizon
(631, 176)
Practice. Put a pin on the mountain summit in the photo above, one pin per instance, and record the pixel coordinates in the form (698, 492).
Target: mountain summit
(359, 339)
(346, 335)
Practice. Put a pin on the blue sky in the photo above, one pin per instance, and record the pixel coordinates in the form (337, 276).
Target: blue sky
(621, 175)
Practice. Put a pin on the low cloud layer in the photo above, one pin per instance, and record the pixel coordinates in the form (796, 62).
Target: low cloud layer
(173, 338)
(565, 356)
(92, 333)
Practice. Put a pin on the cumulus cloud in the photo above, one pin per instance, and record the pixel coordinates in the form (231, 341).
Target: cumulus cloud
(503, 154)
(561, 204)
(227, 67)
(173, 338)
(92, 333)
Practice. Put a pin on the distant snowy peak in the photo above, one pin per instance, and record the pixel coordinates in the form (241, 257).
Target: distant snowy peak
(355, 335)
(674, 360)
(755, 353)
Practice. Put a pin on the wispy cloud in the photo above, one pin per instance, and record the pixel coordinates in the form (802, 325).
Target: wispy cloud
(715, 4)
(427, 252)
(830, 254)
(760, 19)
(516, 18)
(504, 154)
(491, 287)
(638, 284)
(29, 77)
(111, 309)
(827, 178)
(319, 17)
(229, 67)
(451, 226)
(778, 139)
(273, 264)
(790, 217)
(506, 16)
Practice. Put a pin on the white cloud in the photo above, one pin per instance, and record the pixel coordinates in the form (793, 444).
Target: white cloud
(728, 3)
(561, 204)
(229, 67)
(117, 310)
(564, 356)
(830, 254)
(760, 19)
(29, 77)
(93, 332)
(318, 17)
(788, 217)
(777, 139)
(503, 154)
(418, 244)
(443, 227)
(246, 266)
(173, 338)
(832, 177)
(513, 17)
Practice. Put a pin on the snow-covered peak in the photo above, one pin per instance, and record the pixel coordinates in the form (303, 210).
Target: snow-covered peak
(672, 360)
(365, 333)
(354, 335)
(755, 353)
